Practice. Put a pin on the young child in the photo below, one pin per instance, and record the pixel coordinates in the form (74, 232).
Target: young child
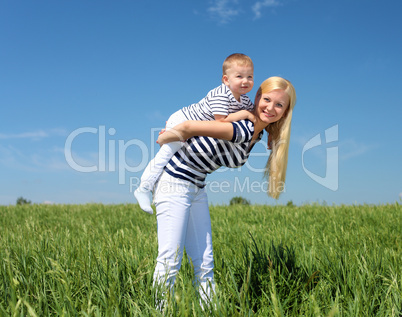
(228, 102)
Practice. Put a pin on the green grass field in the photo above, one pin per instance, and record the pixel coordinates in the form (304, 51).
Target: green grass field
(98, 260)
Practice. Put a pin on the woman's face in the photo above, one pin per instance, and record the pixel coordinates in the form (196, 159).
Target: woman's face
(271, 106)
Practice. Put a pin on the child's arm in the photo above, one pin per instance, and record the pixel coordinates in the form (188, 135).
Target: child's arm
(236, 116)
(220, 117)
(188, 129)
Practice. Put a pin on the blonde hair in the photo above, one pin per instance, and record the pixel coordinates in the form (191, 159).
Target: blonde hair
(275, 169)
(238, 59)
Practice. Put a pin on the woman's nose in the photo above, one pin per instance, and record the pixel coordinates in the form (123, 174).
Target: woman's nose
(270, 106)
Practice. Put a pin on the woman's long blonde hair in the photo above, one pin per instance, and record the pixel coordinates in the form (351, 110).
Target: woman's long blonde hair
(275, 170)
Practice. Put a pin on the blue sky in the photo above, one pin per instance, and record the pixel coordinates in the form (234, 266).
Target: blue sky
(97, 79)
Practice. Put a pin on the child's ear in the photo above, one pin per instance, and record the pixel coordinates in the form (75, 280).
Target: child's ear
(225, 80)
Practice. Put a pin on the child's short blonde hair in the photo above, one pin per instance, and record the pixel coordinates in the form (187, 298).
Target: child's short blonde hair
(238, 59)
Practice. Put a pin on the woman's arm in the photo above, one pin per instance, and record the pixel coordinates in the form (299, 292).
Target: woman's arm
(188, 129)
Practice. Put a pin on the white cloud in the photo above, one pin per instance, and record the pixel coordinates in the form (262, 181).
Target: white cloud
(13, 158)
(25, 135)
(35, 135)
(259, 5)
(223, 10)
(350, 148)
(26, 159)
(157, 116)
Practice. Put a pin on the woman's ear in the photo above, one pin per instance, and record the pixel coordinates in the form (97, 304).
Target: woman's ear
(286, 113)
(257, 99)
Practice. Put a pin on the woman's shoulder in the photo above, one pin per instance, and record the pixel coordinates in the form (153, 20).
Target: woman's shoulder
(246, 123)
(243, 131)
(246, 128)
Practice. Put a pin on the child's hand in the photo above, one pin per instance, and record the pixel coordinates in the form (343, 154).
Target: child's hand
(251, 117)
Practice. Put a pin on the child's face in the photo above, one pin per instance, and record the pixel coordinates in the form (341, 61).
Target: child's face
(239, 79)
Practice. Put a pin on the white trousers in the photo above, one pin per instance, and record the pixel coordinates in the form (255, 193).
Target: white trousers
(155, 166)
(183, 221)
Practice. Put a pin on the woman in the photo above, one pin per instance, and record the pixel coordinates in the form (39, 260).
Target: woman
(181, 202)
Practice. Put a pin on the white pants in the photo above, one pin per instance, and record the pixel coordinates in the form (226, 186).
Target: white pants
(183, 220)
(155, 167)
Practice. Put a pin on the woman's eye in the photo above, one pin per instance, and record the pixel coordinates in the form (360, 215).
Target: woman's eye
(279, 105)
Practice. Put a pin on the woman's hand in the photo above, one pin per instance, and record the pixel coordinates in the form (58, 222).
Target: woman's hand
(269, 142)
(178, 133)
(160, 133)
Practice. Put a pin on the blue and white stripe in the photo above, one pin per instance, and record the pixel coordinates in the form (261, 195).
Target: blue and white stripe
(219, 101)
(200, 156)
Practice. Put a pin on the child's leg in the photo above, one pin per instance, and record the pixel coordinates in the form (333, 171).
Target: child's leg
(156, 166)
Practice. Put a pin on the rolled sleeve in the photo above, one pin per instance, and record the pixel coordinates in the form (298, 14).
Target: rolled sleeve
(243, 131)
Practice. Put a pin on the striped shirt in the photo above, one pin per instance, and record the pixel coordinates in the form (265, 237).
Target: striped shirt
(200, 156)
(219, 101)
